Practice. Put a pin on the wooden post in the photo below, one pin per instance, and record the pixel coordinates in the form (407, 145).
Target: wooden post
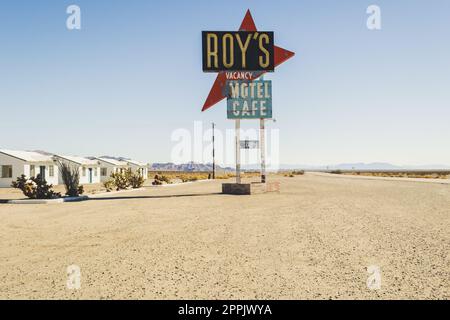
(238, 150)
(262, 141)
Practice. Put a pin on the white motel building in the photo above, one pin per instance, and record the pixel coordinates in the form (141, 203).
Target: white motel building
(109, 166)
(139, 167)
(88, 169)
(15, 163)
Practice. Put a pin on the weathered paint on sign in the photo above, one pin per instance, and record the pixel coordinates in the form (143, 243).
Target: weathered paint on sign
(249, 144)
(249, 99)
(238, 51)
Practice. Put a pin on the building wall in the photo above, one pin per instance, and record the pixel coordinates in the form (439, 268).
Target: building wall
(20, 167)
(17, 168)
(84, 177)
(110, 169)
(50, 180)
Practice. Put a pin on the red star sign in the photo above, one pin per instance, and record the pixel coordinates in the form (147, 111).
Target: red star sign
(280, 55)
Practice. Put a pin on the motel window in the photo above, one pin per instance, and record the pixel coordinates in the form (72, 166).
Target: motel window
(6, 171)
(51, 171)
(84, 172)
(32, 171)
(103, 172)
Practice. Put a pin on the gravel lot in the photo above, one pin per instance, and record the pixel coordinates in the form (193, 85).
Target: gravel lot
(314, 240)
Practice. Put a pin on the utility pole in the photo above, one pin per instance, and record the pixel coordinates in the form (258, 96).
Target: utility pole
(213, 153)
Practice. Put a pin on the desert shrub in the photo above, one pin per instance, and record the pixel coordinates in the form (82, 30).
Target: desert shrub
(189, 178)
(120, 180)
(71, 179)
(289, 175)
(226, 176)
(35, 188)
(160, 179)
(157, 182)
(135, 180)
(164, 178)
(294, 173)
(109, 185)
(124, 180)
(336, 172)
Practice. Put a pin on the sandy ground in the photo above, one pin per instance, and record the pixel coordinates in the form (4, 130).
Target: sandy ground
(345, 176)
(314, 240)
(12, 194)
(89, 189)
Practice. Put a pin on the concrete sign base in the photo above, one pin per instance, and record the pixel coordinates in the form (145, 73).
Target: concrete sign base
(250, 188)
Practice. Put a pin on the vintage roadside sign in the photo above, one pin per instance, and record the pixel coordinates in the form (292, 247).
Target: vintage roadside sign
(249, 144)
(241, 58)
(217, 92)
(238, 50)
(249, 99)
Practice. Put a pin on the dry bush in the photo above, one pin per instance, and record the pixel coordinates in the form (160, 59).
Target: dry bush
(225, 176)
(161, 179)
(120, 180)
(405, 174)
(35, 188)
(109, 185)
(71, 179)
(135, 180)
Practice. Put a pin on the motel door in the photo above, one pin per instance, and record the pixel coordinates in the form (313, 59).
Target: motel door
(42, 171)
(90, 175)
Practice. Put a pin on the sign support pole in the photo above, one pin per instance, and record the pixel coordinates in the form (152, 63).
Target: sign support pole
(262, 141)
(213, 153)
(238, 150)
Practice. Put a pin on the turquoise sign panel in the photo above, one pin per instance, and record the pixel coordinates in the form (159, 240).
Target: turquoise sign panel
(249, 99)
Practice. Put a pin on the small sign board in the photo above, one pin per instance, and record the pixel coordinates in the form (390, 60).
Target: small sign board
(238, 51)
(249, 144)
(249, 99)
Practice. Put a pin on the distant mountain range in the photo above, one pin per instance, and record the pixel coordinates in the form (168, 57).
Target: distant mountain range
(365, 166)
(187, 167)
(192, 166)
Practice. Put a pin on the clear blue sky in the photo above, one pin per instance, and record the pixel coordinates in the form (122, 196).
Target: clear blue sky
(133, 74)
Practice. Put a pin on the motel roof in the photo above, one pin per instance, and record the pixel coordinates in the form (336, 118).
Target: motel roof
(79, 160)
(114, 162)
(28, 156)
(136, 163)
